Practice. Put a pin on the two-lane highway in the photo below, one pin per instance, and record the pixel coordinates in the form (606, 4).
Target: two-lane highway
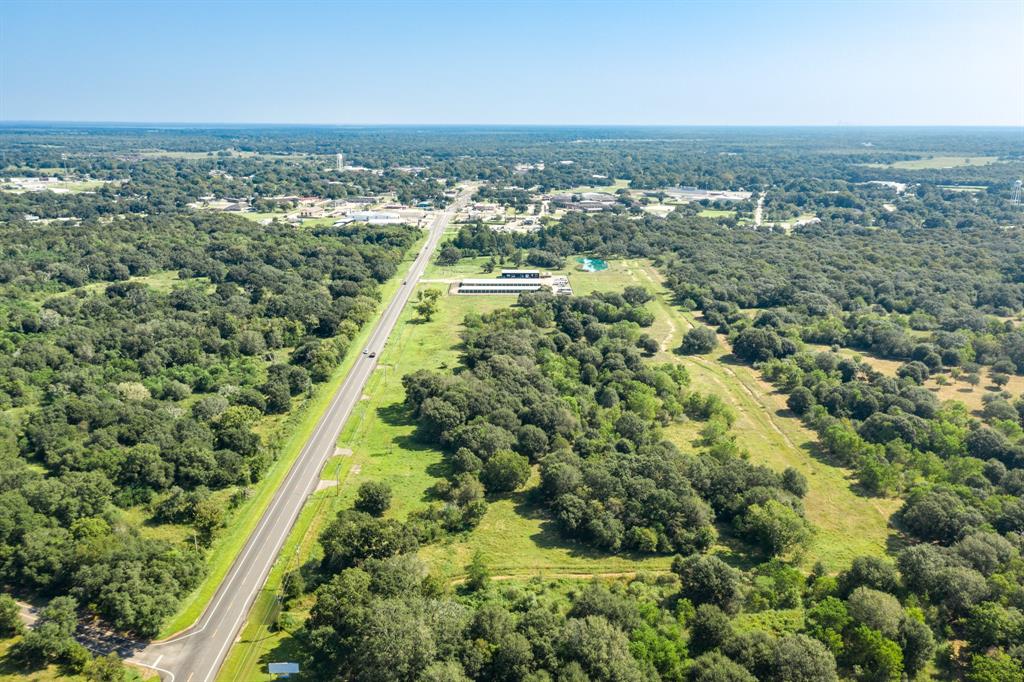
(196, 654)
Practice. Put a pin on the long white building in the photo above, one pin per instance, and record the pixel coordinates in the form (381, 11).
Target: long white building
(514, 282)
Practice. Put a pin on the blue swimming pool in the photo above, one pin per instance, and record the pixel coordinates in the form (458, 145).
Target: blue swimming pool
(591, 264)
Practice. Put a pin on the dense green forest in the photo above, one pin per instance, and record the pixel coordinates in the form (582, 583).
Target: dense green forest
(143, 361)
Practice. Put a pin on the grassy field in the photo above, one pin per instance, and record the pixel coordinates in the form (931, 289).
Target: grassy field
(953, 389)
(256, 216)
(972, 396)
(660, 210)
(716, 213)
(934, 162)
(848, 524)
(281, 215)
(310, 223)
(231, 539)
(610, 188)
(162, 281)
(70, 186)
(468, 267)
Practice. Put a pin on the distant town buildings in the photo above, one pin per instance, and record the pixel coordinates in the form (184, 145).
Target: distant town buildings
(687, 194)
(371, 218)
(591, 202)
(523, 168)
(49, 183)
(898, 187)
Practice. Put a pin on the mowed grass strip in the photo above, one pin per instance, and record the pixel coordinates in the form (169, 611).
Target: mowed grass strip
(937, 162)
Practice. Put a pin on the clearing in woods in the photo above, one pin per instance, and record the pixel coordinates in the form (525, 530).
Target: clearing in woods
(933, 162)
(944, 385)
(848, 524)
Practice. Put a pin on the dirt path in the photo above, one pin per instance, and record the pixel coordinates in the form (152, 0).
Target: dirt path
(769, 416)
(672, 329)
(759, 210)
(653, 277)
(28, 613)
(759, 399)
(847, 524)
(567, 576)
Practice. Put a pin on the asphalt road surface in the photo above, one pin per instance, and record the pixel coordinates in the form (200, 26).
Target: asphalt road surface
(196, 654)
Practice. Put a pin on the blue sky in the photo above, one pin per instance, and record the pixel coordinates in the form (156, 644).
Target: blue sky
(744, 63)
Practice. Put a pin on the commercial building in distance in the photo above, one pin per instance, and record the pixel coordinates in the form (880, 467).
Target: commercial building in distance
(590, 202)
(498, 285)
(688, 194)
(371, 217)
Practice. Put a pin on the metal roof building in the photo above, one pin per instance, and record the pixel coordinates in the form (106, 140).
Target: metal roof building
(520, 274)
(498, 285)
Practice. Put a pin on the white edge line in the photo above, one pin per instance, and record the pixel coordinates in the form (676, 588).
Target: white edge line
(169, 674)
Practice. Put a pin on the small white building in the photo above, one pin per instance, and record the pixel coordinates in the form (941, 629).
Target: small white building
(520, 274)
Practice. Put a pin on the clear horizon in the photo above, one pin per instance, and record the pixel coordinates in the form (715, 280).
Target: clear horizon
(266, 124)
(650, 64)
